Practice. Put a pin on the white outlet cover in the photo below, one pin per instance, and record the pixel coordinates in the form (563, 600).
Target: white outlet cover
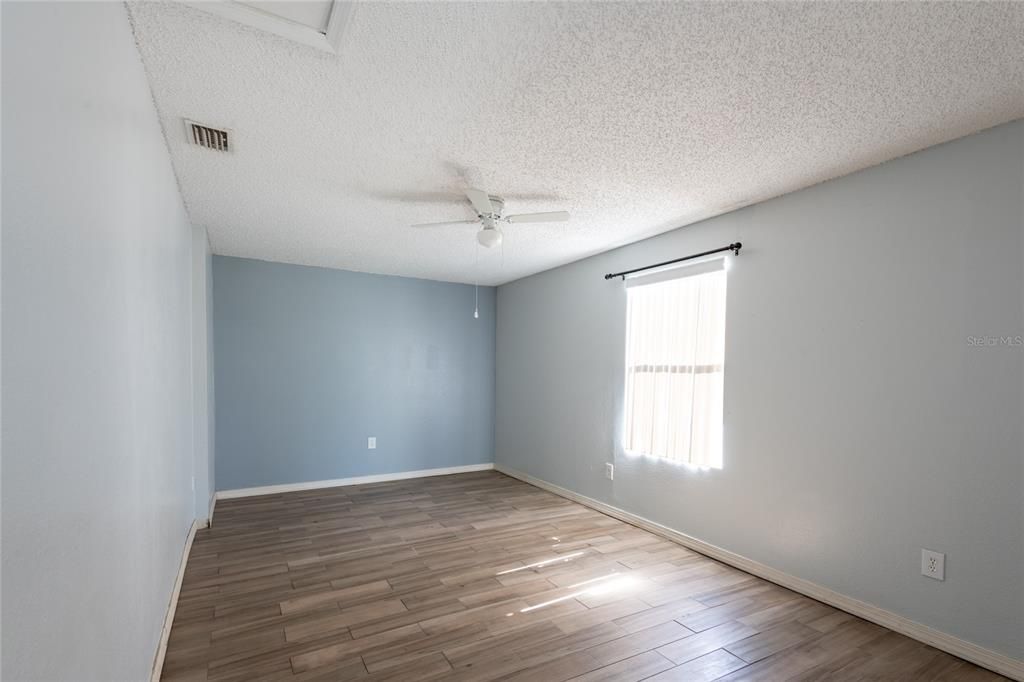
(609, 472)
(371, 443)
(933, 564)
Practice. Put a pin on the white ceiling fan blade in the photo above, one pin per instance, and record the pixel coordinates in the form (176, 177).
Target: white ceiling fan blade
(551, 217)
(481, 202)
(448, 222)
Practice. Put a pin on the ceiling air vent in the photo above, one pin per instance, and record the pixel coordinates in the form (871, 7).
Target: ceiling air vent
(208, 137)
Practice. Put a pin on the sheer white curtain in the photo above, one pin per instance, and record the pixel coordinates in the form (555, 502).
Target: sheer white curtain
(675, 364)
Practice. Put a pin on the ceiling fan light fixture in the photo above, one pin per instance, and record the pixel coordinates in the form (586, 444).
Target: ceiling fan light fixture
(489, 237)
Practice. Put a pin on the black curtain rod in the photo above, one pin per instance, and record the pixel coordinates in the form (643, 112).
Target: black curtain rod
(734, 247)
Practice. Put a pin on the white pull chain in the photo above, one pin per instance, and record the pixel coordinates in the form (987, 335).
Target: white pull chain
(476, 283)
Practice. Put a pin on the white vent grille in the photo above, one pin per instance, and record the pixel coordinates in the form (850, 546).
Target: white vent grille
(208, 137)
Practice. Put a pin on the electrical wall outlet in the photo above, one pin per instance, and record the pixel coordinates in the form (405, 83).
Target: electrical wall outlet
(933, 564)
(609, 471)
(371, 443)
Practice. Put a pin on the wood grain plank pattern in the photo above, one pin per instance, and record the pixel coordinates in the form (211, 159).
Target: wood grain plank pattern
(427, 667)
(351, 669)
(481, 577)
(640, 642)
(527, 637)
(587, 639)
(705, 642)
(585, 618)
(406, 618)
(708, 667)
(770, 641)
(676, 610)
(351, 648)
(390, 656)
(562, 668)
(639, 667)
(344, 596)
(346, 619)
(791, 663)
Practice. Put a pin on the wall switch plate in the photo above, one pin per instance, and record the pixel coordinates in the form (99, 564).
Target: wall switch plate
(933, 564)
(609, 471)
(371, 443)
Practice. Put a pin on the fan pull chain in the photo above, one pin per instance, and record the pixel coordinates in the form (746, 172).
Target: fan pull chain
(476, 283)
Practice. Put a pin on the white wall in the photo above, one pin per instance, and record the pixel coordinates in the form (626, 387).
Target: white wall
(861, 424)
(97, 375)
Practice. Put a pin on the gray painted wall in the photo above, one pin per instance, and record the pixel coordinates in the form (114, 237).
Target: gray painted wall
(861, 424)
(312, 361)
(203, 427)
(97, 389)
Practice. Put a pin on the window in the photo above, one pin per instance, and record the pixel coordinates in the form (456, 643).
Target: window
(675, 364)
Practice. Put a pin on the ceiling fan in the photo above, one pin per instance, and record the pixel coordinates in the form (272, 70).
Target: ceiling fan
(490, 212)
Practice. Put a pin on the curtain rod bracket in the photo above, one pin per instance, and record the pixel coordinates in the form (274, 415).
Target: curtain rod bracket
(734, 247)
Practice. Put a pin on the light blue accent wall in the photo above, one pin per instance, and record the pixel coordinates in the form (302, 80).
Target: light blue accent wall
(311, 361)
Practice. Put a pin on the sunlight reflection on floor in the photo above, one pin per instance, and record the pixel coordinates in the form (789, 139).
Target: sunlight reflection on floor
(613, 583)
(540, 564)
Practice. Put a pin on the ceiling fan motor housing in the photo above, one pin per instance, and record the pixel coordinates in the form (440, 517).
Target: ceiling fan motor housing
(490, 213)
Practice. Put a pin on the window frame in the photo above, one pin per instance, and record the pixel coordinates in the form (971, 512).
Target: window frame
(714, 459)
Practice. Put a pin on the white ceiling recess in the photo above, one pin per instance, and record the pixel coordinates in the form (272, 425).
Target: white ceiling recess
(317, 23)
(635, 117)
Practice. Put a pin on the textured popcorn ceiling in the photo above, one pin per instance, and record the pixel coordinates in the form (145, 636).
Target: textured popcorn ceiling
(636, 117)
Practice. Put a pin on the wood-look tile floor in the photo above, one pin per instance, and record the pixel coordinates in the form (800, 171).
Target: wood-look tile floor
(482, 577)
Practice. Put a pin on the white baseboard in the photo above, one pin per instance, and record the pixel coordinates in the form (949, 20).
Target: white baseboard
(161, 651)
(213, 503)
(995, 661)
(356, 480)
